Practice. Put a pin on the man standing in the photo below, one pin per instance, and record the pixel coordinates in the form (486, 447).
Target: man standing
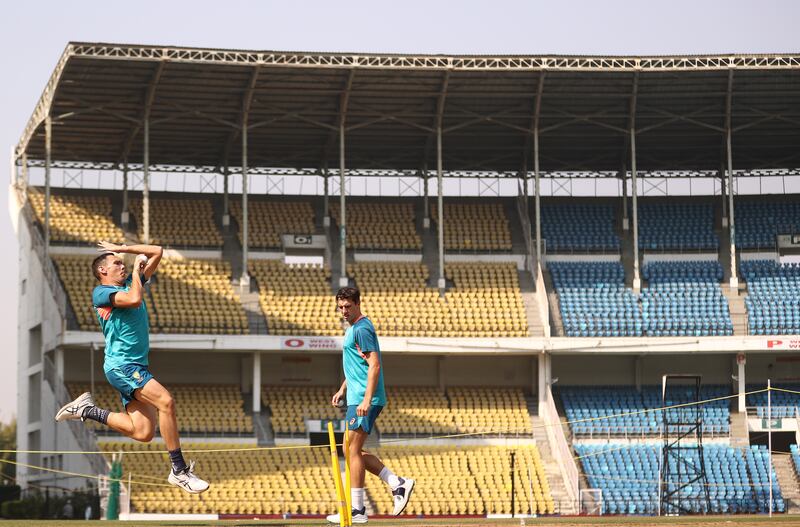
(366, 397)
(120, 308)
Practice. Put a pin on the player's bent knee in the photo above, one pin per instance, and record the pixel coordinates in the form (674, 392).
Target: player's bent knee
(143, 436)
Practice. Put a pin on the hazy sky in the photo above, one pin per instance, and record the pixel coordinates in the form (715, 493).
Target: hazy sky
(33, 35)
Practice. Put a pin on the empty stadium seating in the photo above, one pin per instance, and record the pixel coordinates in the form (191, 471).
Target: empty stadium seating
(677, 226)
(628, 476)
(450, 480)
(76, 275)
(296, 299)
(497, 410)
(79, 219)
(416, 410)
(380, 226)
(684, 298)
(195, 296)
(579, 227)
(269, 219)
(759, 222)
(203, 409)
(485, 300)
(293, 481)
(178, 222)
(291, 405)
(785, 404)
(588, 409)
(465, 480)
(594, 301)
(773, 297)
(475, 227)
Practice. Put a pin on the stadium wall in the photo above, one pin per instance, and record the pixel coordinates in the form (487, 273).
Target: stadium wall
(40, 330)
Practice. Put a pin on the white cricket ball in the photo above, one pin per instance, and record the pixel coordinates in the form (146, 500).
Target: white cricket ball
(140, 258)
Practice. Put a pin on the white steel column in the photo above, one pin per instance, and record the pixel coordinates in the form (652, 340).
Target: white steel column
(741, 361)
(343, 281)
(543, 374)
(734, 281)
(626, 222)
(426, 209)
(537, 190)
(125, 219)
(637, 281)
(256, 382)
(244, 281)
(48, 153)
(146, 181)
(326, 212)
(226, 208)
(441, 282)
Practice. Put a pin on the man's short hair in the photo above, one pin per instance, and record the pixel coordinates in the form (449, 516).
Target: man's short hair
(349, 293)
(98, 262)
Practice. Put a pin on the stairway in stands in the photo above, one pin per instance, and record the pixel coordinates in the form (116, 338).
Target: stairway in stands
(551, 468)
(526, 285)
(556, 324)
(735, 297)
(787, 478)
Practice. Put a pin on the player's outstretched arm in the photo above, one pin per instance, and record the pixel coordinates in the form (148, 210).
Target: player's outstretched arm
(153, 253)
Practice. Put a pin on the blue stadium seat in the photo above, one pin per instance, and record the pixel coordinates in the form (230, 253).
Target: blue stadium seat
(628, 476)
(684, 298)
(759, 222)
(773, 297)
(677, 226)
(585, 227)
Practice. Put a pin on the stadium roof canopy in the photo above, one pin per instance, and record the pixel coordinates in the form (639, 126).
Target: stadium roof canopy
(293, 104)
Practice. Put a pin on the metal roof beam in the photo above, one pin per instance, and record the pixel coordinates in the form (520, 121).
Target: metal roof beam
(683, 118)
(575, 118)
(247, 101)
(671, 120)
(149, 97)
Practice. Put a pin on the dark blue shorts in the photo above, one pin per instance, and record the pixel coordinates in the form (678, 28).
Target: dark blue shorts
(354, 422)
(128, 378)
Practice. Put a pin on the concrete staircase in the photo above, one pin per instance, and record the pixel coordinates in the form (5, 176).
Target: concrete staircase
(430, 253)
(737, 308)
(535, 326)
(252, 308)
(265, 435)
(563, 504)
(787, 478)
(740, 436)
(556, 324)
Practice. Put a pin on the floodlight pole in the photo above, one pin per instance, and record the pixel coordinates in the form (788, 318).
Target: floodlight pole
(48, 152)
(146, 180)
(734, 281)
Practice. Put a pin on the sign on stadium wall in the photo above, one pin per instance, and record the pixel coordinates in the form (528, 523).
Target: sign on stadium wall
(783, 344)
(310, 343)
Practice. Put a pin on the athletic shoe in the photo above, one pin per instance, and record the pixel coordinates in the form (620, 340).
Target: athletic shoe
(75, 409)
(358, 516)
(187, 480)
(401, 495)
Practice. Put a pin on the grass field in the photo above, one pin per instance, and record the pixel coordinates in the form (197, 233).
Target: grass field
(621, 521)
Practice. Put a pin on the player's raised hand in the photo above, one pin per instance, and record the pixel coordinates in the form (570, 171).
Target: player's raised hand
(108, 247)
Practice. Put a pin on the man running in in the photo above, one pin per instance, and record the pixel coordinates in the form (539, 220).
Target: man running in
(119, 304)
(366, 397)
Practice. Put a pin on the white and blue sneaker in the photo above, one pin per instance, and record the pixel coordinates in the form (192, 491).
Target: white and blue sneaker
(358, 516)
(401, 494)
(74, 409)
(187, 480)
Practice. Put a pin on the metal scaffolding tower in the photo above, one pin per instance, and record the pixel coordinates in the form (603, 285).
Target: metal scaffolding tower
(683, 485)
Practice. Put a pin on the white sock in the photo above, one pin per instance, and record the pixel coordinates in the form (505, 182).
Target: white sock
(357, 497)
(389, 477)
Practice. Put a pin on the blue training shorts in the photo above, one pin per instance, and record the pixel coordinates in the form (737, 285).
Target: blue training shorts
(354, 422)
(128, 378)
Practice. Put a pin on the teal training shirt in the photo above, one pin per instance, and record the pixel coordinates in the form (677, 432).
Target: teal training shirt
(126, 330)
(359, 340)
